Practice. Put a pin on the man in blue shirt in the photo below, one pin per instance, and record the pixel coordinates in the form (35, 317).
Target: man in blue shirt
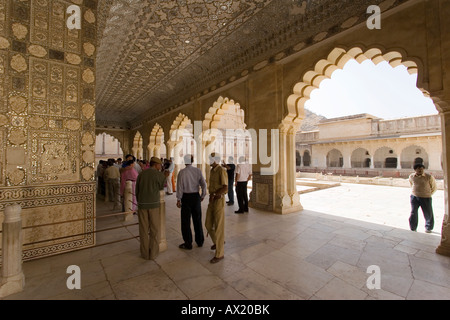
(189, 182)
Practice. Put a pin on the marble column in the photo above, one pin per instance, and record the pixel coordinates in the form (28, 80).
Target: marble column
(287, 199)
(162, 216)
(444, 246)
(13, 279)
(282, 199)
(292, 172)
(128, 200)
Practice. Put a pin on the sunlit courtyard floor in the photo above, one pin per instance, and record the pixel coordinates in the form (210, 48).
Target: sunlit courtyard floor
(322, 252)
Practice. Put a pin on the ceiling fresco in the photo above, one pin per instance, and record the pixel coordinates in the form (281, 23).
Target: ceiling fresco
(153, 56)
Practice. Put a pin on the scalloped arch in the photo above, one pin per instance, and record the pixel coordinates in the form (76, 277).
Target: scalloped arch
(156, 141)
(137, 138)
(179, 124)
(324, 68)
(113, 134)
(156, 134)
(137, 148)
(215, 117)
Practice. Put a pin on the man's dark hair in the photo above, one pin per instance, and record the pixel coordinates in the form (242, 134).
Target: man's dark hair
(418, 165)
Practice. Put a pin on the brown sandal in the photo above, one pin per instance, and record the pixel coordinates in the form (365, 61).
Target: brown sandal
(215, 259)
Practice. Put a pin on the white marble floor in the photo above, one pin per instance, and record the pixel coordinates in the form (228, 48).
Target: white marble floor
(322, 252)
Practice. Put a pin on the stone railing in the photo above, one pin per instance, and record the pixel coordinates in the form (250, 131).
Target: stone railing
(423, 124)
(308, 136)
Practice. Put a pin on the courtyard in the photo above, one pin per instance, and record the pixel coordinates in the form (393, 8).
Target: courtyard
(320, 253)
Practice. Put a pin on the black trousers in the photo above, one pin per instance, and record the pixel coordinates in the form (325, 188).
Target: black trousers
(230, 190)
(242, 195)
(427, 209)
(191, 207)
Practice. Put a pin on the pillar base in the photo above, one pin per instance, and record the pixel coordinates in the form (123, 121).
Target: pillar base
(443, 250)
(285, 204)
(12, 285)
(287, 210)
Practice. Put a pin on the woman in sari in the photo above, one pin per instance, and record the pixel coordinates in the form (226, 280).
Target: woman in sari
(129, 174)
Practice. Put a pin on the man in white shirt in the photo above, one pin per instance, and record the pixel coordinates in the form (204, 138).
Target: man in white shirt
(170, 169)
(243, 175)
(189, 182)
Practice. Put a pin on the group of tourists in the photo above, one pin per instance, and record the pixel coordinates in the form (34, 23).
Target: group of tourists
(150, 177)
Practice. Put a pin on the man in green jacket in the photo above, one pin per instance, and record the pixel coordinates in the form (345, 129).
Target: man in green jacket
(148, 186)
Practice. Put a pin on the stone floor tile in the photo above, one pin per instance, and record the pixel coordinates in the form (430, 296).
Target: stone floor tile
(351, 274)
(154, 285)
(328, 254)
(254, 286)
(338, 289)
(423, 290)
(294, 274)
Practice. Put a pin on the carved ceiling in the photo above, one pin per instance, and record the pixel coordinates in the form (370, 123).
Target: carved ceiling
(155, 55)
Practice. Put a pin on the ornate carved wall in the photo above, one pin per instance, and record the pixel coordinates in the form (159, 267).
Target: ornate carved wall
(47, 117)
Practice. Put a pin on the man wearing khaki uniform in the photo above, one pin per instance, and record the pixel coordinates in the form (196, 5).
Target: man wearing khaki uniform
(148, 186)
(215, 214)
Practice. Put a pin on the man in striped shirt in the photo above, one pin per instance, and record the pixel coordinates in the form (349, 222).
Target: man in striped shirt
(189, 182)
(423, 187)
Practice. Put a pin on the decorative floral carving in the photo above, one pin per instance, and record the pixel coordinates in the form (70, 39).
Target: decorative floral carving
(3, 120)
(17, 104)
(4, 43)
(39, 88)
(16, 176)
(88, 76)
(88, 156)
(73, 124)
(18, 63)
(73, 58)
(19, 30)
(71, 93)
(55, 158)
(89, 16)
(36, 122)
(17, 136)
(56, 74)
(88, 47)
(37, 50)
(87, 139)
(87, 173)
(88, 110)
